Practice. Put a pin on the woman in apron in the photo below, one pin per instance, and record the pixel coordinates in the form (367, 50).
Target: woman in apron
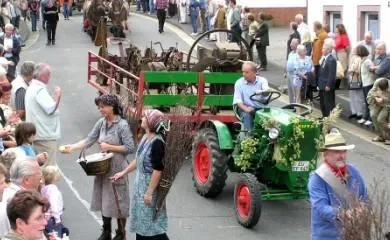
(149, 166)
(112, 132)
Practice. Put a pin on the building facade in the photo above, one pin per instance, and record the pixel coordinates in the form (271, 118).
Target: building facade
(358, 16)
(283, 11)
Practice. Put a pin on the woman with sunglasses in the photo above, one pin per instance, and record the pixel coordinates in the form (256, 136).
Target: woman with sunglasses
(149, 166)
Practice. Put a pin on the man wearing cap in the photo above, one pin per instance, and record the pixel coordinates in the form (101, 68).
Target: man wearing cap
(329, 186)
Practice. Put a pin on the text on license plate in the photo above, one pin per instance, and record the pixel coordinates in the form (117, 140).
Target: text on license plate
(300, 166)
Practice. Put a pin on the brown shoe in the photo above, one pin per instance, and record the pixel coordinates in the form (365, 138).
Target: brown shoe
(378, 139)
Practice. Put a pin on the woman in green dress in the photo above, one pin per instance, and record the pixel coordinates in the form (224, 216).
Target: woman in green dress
(149, 166)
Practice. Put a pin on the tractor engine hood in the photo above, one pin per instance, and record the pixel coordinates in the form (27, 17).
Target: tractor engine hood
(293, 147)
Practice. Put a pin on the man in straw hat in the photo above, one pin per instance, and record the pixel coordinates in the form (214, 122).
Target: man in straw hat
(329, 186)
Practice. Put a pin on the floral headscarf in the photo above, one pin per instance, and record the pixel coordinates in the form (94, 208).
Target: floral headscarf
(156, 121)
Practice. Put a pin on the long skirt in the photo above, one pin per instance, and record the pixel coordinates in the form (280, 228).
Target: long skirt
(183, 14)
(357, 102)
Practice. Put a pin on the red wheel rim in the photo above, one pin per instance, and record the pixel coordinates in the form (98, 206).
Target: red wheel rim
(202, 163)
(243, 201)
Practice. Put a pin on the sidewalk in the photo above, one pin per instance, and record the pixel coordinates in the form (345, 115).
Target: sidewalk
(276, 54)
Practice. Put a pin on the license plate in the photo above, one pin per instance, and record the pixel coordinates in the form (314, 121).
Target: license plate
(301, 166)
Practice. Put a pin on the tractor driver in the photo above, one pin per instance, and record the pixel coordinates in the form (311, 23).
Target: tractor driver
(245, 87)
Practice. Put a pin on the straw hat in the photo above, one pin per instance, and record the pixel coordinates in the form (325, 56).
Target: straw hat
(336, 142)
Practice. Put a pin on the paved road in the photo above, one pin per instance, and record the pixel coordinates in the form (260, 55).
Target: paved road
(190, 216)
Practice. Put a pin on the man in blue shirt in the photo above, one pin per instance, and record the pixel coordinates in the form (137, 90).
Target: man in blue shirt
(245, 87)
(382, 62)
(331, 187)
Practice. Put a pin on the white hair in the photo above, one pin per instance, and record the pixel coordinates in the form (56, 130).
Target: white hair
(329, 43)
(368, 34)
(299, 16)
(21, 168)
(39, 69)
(380, 44)
(301, 48)
(9, 26)
(252, 65)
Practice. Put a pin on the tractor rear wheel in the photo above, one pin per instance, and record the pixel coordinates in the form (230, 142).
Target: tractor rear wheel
(247, 200)
(209, 164)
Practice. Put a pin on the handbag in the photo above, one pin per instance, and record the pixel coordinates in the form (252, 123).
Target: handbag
(355, 84)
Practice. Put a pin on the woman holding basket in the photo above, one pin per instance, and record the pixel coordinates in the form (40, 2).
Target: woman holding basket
(149, 166)
(112, 132)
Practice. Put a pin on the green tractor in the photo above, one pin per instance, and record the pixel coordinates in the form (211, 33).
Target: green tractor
(274, 159)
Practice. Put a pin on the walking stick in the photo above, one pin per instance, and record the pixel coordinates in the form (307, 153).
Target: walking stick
(119, 210)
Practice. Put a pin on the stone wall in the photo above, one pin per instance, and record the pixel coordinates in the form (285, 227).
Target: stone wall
(282, 16)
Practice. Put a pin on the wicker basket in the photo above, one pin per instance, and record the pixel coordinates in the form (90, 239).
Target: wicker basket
(95, 164)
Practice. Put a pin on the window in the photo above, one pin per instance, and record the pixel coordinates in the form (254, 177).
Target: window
(371, 23)
(334, 19)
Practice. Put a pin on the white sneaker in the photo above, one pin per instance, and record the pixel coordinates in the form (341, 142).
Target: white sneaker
(361, 121)
(193, 34)
(368, 123)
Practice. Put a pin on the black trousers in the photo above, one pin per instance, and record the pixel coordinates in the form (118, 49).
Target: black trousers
(317, 72)
(327, 101)
(236, 29)
(51, 31)
(161, 16)
(262, 52)
(156, 237)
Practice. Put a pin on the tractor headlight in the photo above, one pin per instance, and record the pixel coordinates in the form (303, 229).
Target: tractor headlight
(273, 133)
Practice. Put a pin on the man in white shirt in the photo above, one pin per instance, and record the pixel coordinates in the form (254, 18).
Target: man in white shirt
(303, 29)
(42, 110)
(369, 43)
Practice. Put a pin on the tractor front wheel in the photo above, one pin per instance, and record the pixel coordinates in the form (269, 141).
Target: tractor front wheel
(247, 200)
(209, 164)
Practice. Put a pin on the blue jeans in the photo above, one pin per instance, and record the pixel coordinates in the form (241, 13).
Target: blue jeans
(138, 5)
(34, 16)
(151, 6)
(208, 19)
(247, 118)
(194, 22)
(66, 10)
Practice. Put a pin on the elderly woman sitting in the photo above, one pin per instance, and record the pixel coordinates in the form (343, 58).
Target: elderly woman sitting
(298, 66)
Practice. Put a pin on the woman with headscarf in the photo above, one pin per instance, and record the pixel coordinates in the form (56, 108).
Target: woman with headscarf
(149, 166)
(112, 132)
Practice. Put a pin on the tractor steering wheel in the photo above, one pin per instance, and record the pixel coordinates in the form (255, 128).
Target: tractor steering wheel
(270, 98)
(307, 111)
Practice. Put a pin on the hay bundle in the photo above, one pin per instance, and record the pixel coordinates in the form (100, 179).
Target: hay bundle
(178, 146)
(366, 220)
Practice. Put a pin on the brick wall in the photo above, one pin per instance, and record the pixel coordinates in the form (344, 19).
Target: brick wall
(282, 16)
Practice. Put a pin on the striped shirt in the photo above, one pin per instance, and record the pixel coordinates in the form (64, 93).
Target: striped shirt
(161, 4)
